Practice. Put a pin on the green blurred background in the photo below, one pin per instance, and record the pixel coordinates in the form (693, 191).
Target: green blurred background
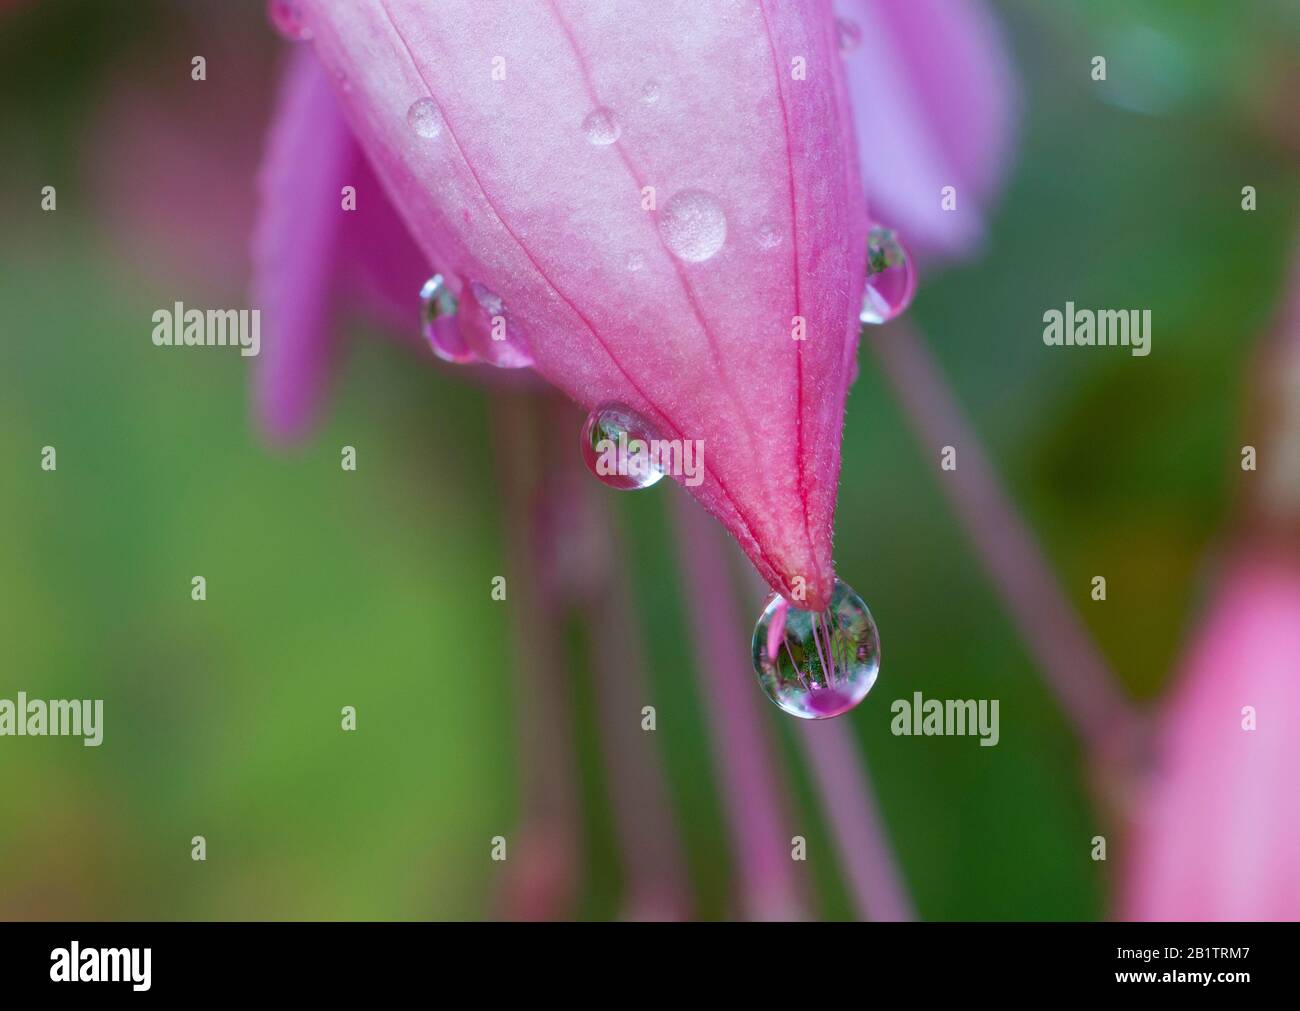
(369, 589)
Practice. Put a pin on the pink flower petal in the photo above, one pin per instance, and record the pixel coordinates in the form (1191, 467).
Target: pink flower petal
(1217, 832)
(515, 186)
(935, 101)
(295, 251)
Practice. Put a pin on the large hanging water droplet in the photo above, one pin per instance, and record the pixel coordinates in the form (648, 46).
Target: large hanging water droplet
(601, 127)
(693, 225)
(617, 448)
(817, 664)
(424, 117)
(286, 18)
(848, 33)
(891, 277)
(438, 322)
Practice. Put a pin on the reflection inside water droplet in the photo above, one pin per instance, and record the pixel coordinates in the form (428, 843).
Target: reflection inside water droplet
(693, 225)
(424, 117)
(616, 447)
(438, 322)
(286, 18)
(601, 127)
(891, 277)
(817, 664)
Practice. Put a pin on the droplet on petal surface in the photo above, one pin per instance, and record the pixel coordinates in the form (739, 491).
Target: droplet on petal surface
(650, 92)
(891, 277)
(286, 18)
(424, 117)
(817, 664)
(504, 346)
(617, 448)
(439, 324)
(848, 33)
(693, 225)
(601, 127)
(768, 236)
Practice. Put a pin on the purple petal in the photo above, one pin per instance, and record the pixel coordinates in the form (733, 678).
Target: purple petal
(935, 102)
(310, 152)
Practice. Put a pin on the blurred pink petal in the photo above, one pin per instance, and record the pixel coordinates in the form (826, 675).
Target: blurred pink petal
(515, 187)
(1217, 830)
(184, 211)
(382, 266)
(310, 255)
(935, 102)
(295, 248)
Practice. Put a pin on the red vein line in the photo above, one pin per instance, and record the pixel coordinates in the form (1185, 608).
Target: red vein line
(800, 461)
(451, 132)
(678, 267)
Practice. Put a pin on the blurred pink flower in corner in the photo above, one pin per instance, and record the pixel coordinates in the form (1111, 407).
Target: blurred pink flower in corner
(935, 104)
(1216, 828)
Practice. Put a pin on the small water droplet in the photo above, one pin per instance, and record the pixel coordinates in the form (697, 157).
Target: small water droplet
(891, 277)
(848, 33)
(813, 664)
(650, 92)
(601, 127)
(286, 18)
(438, 322)
(616, 448)
(424, 117)
(694, 225)
(768, 237)
(635, 262)
(504, 346)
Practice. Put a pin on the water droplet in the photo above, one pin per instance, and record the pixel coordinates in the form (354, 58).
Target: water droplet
(424, 117)
(504, 346)
(848, 33)
(601, 127)
(635, 262)
(694, 225)
(616, 448)
(439, 324)
(768, 237)
(286, 18)
(650, 92)
(891, 277)
(488, 300)
(816, 665)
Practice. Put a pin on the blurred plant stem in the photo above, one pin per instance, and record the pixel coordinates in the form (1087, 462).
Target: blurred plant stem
(752, 786)
(655, 885)
(840, 774)
(541, 872)
(1076, 672)
(842, 779)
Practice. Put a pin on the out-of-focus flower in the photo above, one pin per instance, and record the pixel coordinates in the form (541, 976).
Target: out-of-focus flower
(656, 199)
(1216, 833)
(935, 102)
(308, 252)
(1217, 826)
